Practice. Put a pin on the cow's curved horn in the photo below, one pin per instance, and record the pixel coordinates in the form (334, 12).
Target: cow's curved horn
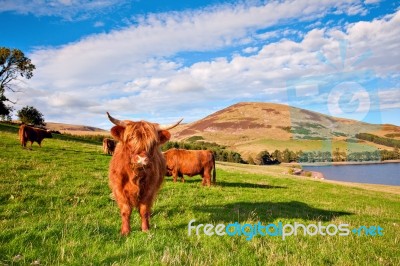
(167, 127)
(116, 121)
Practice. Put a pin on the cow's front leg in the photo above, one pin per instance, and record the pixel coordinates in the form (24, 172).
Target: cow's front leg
(126, 211)
(144, 211)
(175, 175)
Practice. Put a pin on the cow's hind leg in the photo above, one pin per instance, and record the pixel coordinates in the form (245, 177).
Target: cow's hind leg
(203, 182)
(182, 178)
(206, 177)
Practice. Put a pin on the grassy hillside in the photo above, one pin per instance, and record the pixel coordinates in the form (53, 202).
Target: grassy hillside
(249, 128)
(55, 209)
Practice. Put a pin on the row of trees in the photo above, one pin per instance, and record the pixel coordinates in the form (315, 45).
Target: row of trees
(276, 157)
(379, 140)
(29, 115)
(287, 156)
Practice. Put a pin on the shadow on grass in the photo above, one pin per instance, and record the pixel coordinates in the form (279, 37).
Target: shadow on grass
(246, 185)
(188, 180)
(268, 211)
(225, 184)
(265, 212)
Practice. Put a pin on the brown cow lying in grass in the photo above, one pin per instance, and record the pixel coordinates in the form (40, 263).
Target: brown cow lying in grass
(27, 133)
(137, 167)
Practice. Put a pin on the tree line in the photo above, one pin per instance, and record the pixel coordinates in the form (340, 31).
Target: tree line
(287, 156)
(378, 140)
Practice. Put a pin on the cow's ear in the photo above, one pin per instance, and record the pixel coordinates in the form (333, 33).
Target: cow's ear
(164, 136)
(117, 132)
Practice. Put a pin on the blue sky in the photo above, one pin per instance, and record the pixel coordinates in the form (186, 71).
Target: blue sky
(162, 60)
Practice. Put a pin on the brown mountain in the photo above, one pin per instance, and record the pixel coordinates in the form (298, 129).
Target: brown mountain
(251, 127)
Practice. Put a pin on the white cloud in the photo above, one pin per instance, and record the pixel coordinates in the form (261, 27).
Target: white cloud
(357, 10)
(183, 83)
(367, 2)
(249, 50)
(98, 24)
(389, 99)
(67, 9)
(381, 38)
(133, 72)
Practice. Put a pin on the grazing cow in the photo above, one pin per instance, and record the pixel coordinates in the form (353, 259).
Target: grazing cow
(109, 146)
(137, 167)
(190, 162)
(27, 133)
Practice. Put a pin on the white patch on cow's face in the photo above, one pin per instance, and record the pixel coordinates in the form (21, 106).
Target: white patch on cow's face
(142, 160)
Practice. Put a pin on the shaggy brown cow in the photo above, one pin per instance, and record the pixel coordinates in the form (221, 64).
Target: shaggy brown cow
(190, 162)
(109, 146)
(27, 133)
(137, 167)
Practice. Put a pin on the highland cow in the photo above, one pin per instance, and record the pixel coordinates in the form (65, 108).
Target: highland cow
(137, 167)
(27, 133)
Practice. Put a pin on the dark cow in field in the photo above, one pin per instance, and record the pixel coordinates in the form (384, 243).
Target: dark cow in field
(27, 133)
(137, 167)
(109, 146)
(191, 162)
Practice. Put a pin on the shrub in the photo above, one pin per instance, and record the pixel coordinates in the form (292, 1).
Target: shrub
(195, 138)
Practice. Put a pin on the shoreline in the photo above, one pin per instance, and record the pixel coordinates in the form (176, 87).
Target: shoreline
(318, 174)
(276, 170)
(340, 163)
(368, 186)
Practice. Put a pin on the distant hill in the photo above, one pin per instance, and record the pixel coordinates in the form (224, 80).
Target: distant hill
(76, 129)
(251, 127)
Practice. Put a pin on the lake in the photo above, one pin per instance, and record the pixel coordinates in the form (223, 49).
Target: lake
(384, 173)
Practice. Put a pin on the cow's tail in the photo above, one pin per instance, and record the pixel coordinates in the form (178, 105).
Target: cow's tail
(23, 135)
(214, 170)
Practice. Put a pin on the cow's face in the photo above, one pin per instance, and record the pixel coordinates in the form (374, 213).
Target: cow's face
(168, 172)
(47, 134)
(141, 138)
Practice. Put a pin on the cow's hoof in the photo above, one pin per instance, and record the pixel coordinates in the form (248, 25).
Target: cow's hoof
(125, 233)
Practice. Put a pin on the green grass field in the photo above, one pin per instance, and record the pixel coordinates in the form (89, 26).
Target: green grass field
(55, 209)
